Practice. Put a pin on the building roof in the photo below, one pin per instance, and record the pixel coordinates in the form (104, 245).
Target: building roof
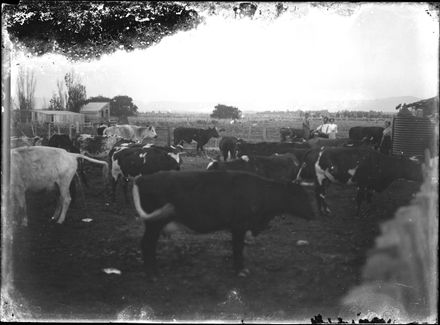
(45, 111)
(93, 107)
(429, 106)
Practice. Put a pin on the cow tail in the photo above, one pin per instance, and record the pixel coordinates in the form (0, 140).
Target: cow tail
(156, 214)
(105, 169)
(137, 202)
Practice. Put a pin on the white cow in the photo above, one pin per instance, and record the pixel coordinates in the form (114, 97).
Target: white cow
(131, 132)
(45, 168)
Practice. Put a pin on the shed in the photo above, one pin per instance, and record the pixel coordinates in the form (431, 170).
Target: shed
(414, 131)
(96, 112)
(56, 117)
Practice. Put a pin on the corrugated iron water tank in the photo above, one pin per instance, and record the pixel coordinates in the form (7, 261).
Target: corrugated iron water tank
(411, 134)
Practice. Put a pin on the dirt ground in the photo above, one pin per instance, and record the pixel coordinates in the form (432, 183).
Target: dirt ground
(58, 269)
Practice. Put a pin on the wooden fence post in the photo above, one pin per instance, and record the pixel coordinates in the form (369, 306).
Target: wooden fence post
(168, 136)
(58, 129)
(77, 127)
(70, 131)
(48, 131)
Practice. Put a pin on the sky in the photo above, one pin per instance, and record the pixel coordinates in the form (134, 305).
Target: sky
(308, 55)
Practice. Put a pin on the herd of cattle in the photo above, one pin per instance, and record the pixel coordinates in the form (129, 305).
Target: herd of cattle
(254, 183)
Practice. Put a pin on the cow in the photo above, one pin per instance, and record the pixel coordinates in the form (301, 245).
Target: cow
(130, 160)
(25, 141)
(209, 201)
(201, 136)
(131, 132)
(292, 134)
(282, 167)
(368, 169)
(45, 168)
(267, 148)
(100, 129)
(228, 146)
(97, 146)
(371, 133)
(63, 141)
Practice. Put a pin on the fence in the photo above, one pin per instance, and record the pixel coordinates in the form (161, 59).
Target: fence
(252, 130)
(32, 129)
(400, 276)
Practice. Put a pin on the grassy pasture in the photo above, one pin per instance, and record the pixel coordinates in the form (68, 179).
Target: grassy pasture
(250, 128)
(254, 127)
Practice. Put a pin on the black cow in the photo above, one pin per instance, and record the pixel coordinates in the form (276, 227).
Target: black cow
(208, 201)
(201, 136)
(368, 169)
(228, 145)
(371, 133)
(267, 148)
(134, 159)
(100, 129)
(62, 141)
(282, 167)
(292, 134)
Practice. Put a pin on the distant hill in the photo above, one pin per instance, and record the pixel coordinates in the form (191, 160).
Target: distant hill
(381, 104)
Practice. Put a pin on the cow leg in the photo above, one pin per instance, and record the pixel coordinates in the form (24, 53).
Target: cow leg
(359, 198)
(225, 155)
(81, 172)
(320, 192)
(72, 190)
(125, 187)
(233, 156)
(148, 247)
(65, 200)
(114, 183)
(59, 204)
(21, 205)
(237, 249)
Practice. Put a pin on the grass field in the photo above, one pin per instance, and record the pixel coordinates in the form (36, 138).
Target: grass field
(250, 128)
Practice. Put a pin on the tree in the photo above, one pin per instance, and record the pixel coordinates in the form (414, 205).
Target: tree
(59, 100)
(98, 99)
(122, 106)
(76, 92)
(224, 111)
(26, 83)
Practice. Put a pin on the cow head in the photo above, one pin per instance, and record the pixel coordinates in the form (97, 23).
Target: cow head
(213, 132)
(150, 132)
